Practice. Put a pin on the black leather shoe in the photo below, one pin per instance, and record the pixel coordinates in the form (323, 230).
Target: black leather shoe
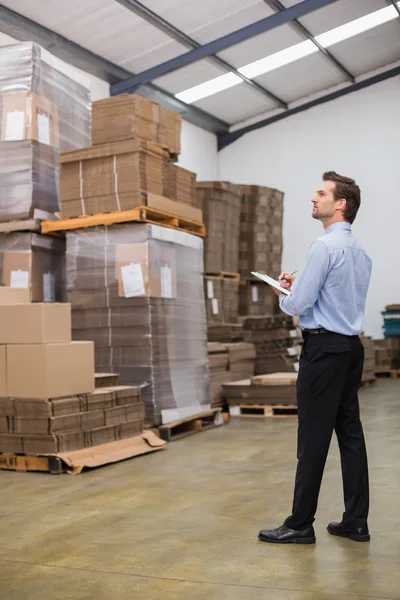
(284, 535)
(358, 534)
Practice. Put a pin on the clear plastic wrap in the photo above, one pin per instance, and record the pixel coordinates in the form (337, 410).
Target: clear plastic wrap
(34, 261)
(42, 112)
(137, 291)
(55, 107)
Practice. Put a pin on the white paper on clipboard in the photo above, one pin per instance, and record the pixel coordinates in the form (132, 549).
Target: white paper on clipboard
(270, 281)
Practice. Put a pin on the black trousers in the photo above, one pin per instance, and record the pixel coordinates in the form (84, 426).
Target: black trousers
(329, 378)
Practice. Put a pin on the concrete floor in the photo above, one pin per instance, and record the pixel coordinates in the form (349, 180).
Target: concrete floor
(182, 524)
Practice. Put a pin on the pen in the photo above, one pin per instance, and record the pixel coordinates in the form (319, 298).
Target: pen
(292, 273)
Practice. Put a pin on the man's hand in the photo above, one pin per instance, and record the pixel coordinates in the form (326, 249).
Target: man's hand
(286, 281)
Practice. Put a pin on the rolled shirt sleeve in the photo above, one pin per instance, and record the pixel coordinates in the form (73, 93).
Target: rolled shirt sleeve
(306, 288)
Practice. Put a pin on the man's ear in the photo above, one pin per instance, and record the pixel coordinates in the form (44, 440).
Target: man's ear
(341, 204)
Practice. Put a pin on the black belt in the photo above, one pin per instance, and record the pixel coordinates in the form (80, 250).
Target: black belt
(315, 331)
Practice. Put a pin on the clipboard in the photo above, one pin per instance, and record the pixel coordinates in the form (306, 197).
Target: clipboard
(271, 282)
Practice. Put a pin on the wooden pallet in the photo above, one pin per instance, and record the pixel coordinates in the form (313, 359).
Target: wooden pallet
(386, 372)
(224, 275)
(33, 224)
(141, 214)
(200, 422)
(368, 383)
(24, 463)
(276, 411)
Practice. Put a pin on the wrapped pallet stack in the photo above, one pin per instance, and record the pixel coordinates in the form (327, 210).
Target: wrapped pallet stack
(136, 290)
(43, 112)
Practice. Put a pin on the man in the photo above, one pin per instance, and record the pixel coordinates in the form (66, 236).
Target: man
(329, 295)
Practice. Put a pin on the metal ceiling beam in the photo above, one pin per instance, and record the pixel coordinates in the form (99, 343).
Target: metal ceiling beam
(236, 37)
(226, 139)
(157, 21)
(23, 29)
(277, 5)
(394, 2)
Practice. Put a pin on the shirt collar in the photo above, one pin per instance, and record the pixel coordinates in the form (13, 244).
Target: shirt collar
(341, 226)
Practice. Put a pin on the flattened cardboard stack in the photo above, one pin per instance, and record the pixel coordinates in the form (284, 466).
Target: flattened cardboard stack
(218, 369)
(272, 338)
(137, 291)
(42, 112)
(123, 175)
(260, 247)
(34, 262)
(228, 332)
(387, 353)
(276, 388)
(220, 202)
(130, 116)
(228, 362)
(221, 299)
(369, 359)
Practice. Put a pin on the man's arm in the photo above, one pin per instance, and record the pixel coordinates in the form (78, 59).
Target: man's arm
(307, 286)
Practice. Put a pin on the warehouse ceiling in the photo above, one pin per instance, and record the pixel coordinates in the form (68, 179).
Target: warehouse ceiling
(265, 63)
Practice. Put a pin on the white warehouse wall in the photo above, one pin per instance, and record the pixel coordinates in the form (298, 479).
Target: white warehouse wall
(356, 135)
(199, 152)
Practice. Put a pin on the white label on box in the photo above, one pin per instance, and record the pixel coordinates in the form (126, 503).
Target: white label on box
(234, 411)
(293, 333)
(43, 129)
(292, 351)
(15, 126)
(19, 279)
(297, 367)
(254, 293)
(210, 289)
(49, 287)
(132, 280)
(166, 282)
(214, 305)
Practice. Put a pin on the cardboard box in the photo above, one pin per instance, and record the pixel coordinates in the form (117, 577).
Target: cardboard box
(34, 262)
(35, 323)
(50, 370)
(28, 116)
(10, 295)
(3, 373)
(145, 269)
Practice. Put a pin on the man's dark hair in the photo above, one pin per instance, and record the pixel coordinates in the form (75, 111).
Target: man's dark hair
(348, 189)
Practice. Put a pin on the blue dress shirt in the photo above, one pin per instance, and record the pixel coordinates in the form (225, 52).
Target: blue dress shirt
(331, 290)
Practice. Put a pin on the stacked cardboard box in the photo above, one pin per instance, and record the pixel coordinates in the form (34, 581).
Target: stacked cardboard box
(123, 175)
(218, 369)
(277, 388)
(369, 359)
(228, 362)
(391, 317)
(220, 202)
(221, 299)
(48, 403)
(260, 230)
(272, 338)
(34, 262)
(257, 298)
(137, 291)
(42, 112)
(131, 116)
(227, 332)
(387, 353)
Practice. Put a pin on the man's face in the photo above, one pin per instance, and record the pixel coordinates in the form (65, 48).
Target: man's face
(324, 203)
